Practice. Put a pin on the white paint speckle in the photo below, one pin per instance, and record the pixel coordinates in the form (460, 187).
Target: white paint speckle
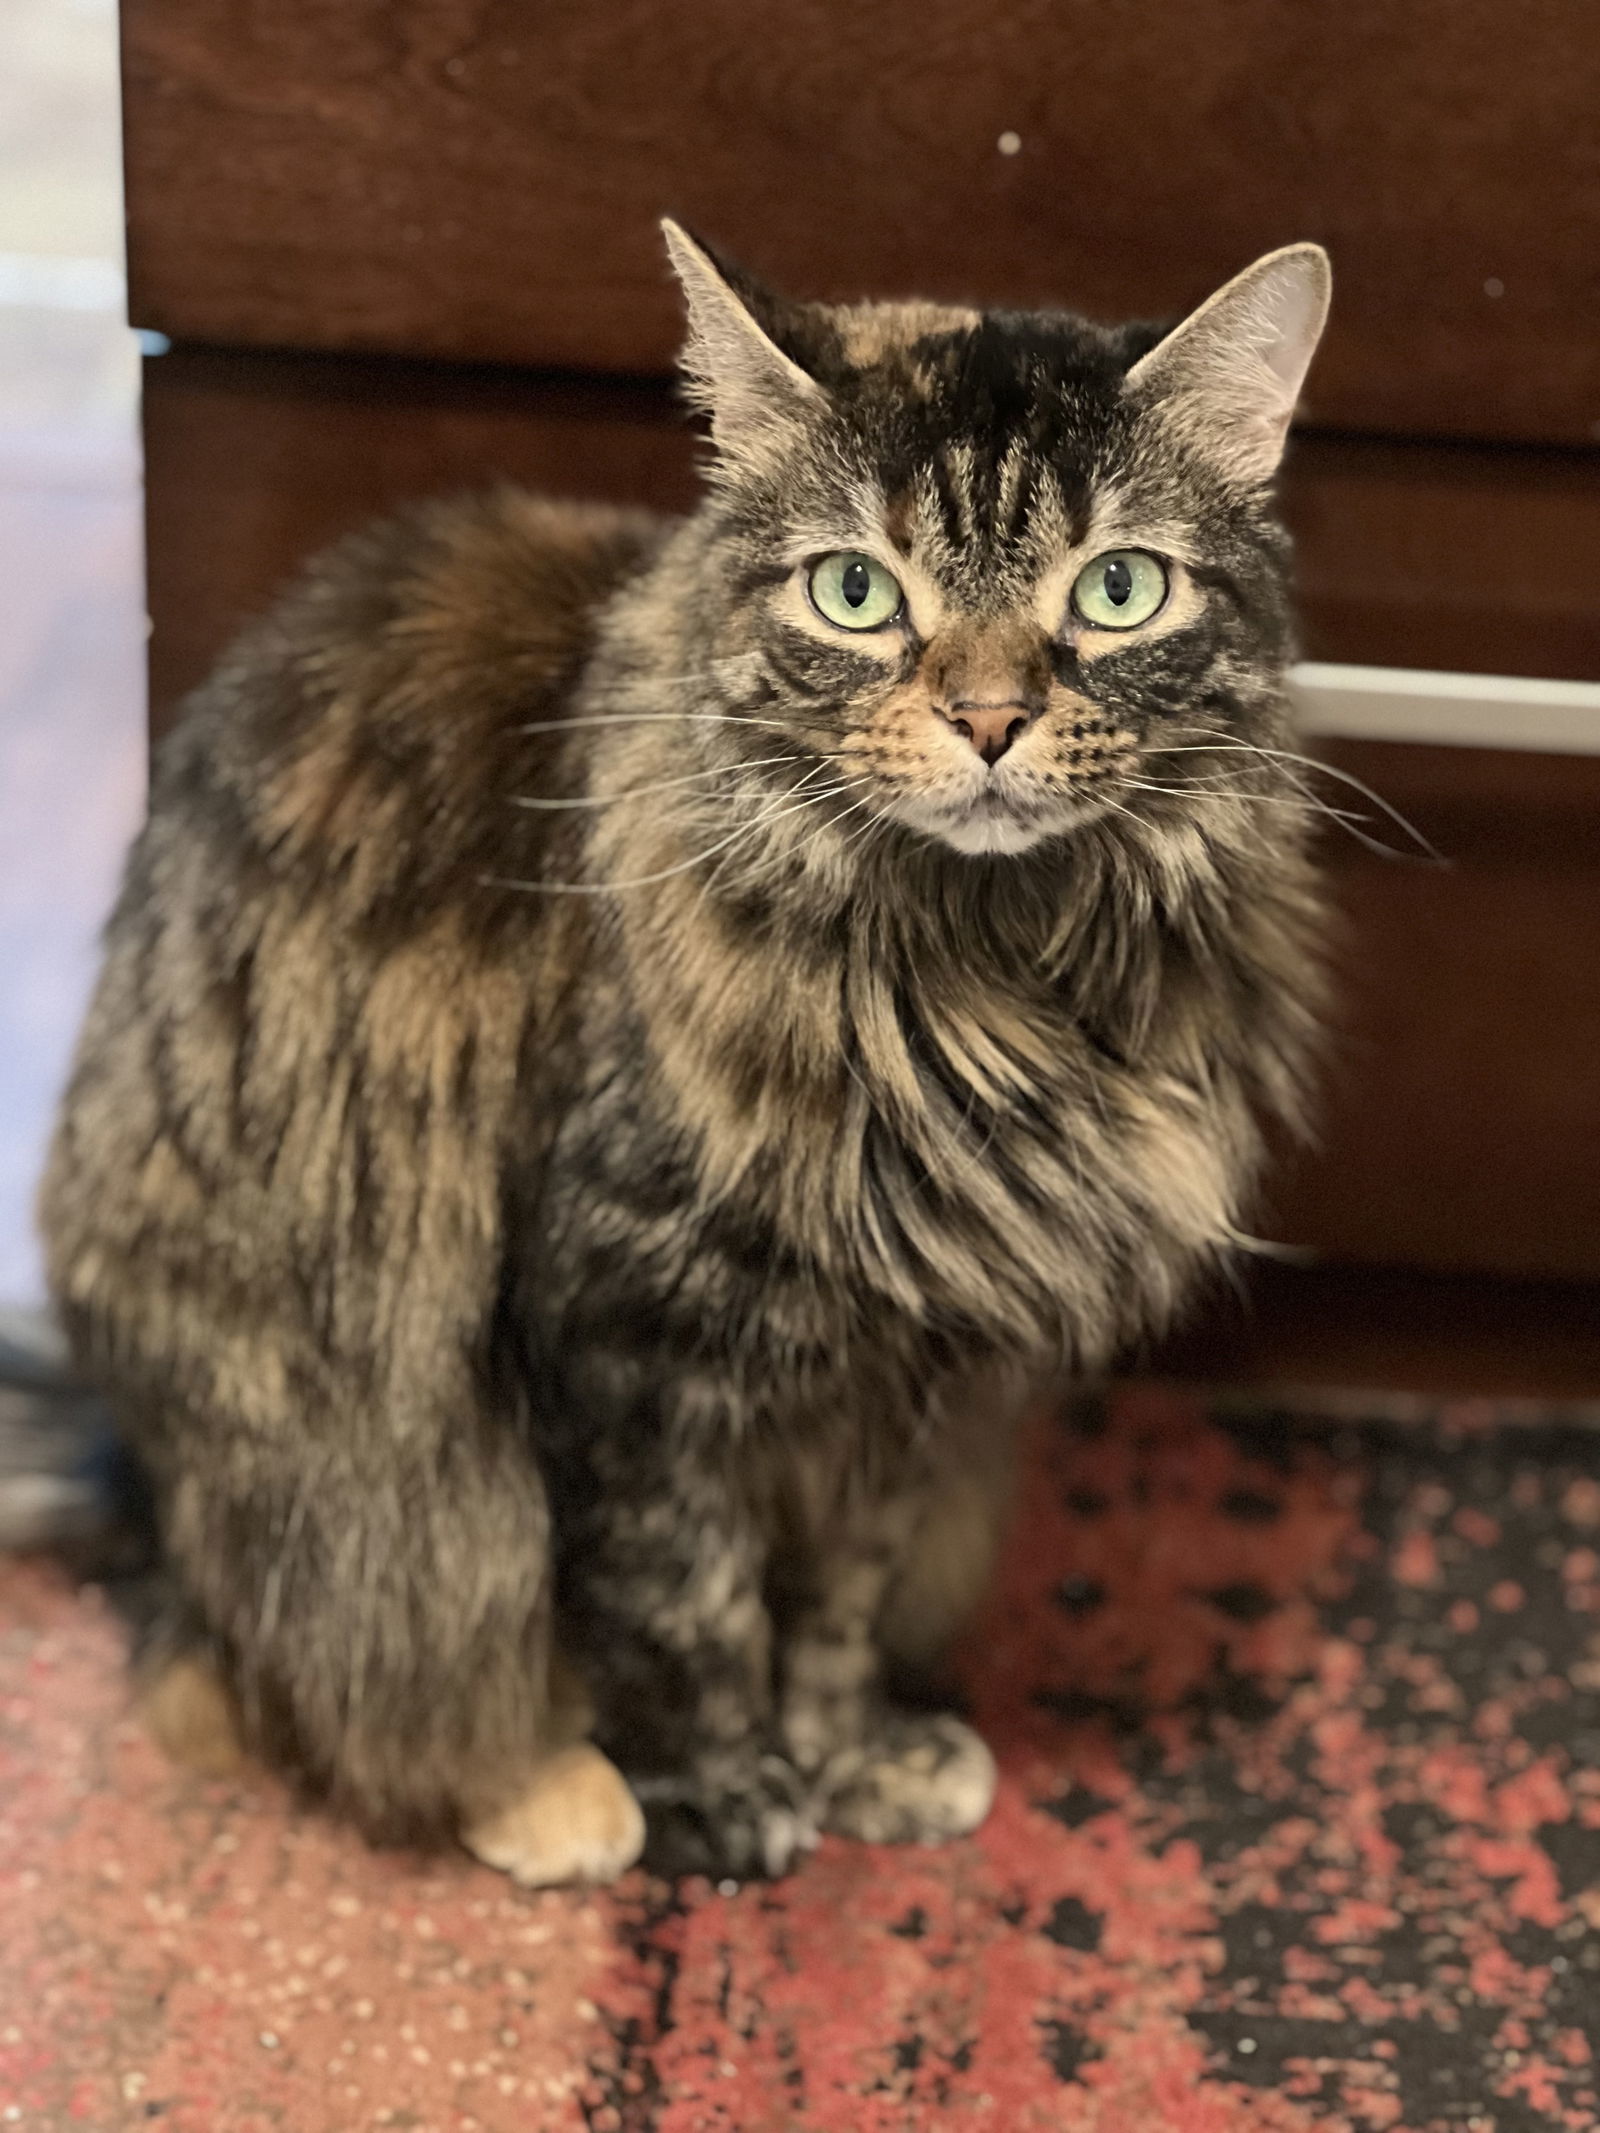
(1009, 143)
(1494, 286)
(269, 2038)
(1247, 2045)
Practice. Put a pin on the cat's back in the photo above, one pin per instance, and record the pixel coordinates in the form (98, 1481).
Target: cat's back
(316, 961)
(384, 703)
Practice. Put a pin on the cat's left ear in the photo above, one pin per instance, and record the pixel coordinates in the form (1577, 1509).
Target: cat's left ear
(1229, 376)
(756, 396)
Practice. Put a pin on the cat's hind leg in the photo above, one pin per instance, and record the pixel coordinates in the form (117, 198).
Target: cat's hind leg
(574, 1821)
(374, 1618)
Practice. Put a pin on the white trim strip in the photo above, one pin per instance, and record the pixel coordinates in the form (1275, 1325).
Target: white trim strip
(1450, 710)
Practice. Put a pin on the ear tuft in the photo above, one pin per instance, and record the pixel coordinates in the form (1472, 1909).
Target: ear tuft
(1228, 378)
(755, 395)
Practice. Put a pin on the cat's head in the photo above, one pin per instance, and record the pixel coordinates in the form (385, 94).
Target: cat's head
(999, 560)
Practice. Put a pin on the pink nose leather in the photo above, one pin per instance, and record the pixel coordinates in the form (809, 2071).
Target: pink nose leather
(991, 728)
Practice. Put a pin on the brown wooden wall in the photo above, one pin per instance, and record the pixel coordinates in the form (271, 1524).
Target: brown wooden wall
(481, 178)
(373, 229)
(1411, 553)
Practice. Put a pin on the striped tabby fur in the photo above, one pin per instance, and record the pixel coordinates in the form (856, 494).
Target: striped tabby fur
(625, 1229)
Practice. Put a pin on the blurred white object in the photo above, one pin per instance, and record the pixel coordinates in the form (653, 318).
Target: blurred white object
(1449, 710)
(71, 570)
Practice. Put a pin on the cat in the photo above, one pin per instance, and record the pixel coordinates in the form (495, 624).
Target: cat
(628, 1050)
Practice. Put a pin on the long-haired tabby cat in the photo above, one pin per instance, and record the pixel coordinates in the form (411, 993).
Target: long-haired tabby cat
(626, 1048)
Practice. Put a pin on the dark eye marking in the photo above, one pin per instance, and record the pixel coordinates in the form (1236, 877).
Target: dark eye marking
(798, 684)
(759, 577)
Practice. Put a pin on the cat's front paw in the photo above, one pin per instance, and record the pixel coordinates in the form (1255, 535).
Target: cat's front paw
(751, 1825)
(916, 1779)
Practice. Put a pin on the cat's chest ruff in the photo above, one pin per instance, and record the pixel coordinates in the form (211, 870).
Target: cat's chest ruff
(946, 1141)
(1002, 1151)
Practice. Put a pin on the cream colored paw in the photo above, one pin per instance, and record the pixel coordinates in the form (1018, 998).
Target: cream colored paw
(577, 1821)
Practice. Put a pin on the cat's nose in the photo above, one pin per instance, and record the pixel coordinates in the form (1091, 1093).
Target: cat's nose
(991, 728)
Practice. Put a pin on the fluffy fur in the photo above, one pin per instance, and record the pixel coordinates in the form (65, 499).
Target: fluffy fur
(602, 1099)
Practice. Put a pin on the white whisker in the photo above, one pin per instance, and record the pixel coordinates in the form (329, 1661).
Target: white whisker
(637, 792)
(878, 821)
(1214, 743)
(644, 881)
(1117, 809)
(653, 718)
(833, 792)
(1310, 805)
(844, 814)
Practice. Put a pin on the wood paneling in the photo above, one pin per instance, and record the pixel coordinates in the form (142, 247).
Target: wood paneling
(1477, 558)
(1461, 1117)
(1424, 555)
(482, 180)
(1461, 1128)
(252, 462)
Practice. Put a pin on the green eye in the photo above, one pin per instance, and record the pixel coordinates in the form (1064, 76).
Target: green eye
(1120, 590)
(854, 592)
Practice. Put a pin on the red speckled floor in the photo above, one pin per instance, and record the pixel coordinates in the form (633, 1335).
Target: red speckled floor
(1299, 1832)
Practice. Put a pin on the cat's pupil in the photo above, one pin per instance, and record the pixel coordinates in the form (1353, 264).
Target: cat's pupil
(855, 583)
(1118, 583)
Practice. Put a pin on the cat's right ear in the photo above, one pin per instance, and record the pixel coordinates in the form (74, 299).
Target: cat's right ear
(756, 396)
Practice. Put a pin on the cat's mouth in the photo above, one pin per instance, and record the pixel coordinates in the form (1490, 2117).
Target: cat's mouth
(991, 819)
(997, 817)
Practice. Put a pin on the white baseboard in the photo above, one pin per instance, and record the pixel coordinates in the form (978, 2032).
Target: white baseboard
(1450, 710)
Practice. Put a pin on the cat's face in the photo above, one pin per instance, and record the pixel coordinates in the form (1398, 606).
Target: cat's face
(989, 563)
